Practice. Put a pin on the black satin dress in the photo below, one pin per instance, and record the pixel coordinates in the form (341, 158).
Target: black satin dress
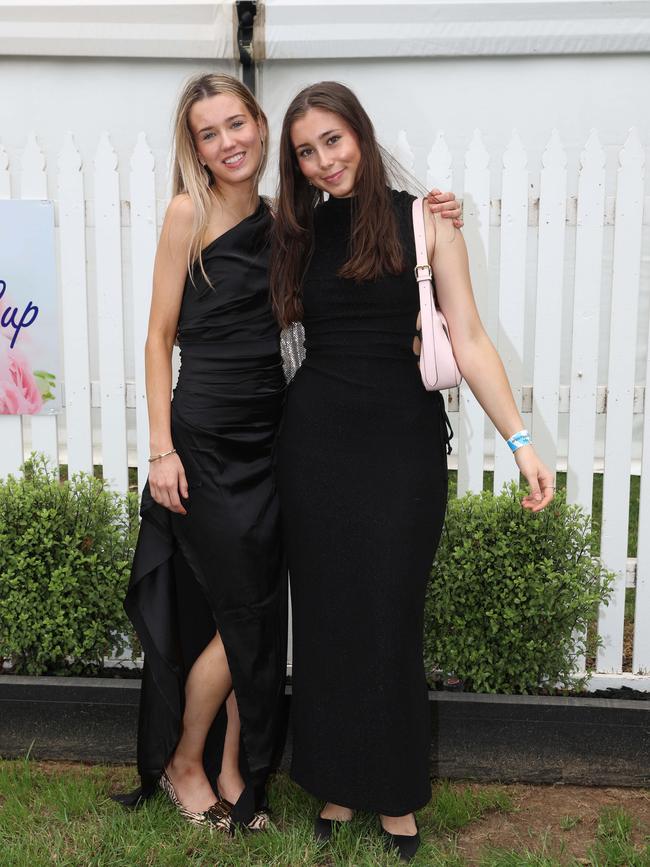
(362, 475)
(220, 567)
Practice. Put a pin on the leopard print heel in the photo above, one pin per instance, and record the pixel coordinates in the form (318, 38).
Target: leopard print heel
(216, 816)
(260, 820)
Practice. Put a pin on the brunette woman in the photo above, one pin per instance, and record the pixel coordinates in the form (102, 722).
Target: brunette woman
(362, 467)
(207, 593)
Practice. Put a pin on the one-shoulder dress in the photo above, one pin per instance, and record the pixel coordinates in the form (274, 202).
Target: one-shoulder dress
(362, 475)
(220, 567)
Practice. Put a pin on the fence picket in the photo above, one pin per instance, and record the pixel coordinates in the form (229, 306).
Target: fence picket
(586, 319)
(402, 152)
(74, 305)
(5, 176)
(586, 323)
(143, 248)
(439, 172)
(620, 394)
(548, 321)
(476, 215)
(512, 289)
(109, 315)
(11, 426)
(33, 185)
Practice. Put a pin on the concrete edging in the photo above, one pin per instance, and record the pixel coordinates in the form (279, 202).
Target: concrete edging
(532, 739)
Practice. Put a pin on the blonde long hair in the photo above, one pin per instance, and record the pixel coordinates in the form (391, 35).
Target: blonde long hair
(189, 176)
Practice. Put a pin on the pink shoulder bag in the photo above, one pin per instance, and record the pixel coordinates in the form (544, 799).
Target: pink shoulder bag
(438, 366)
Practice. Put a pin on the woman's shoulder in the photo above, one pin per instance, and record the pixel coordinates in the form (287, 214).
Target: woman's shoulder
(402, 202)
(402, 198)
(180, 210)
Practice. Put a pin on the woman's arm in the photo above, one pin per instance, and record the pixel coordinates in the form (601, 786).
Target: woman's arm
(477, 358)
(166, 475)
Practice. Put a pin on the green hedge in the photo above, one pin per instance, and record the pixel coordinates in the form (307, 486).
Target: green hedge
(512, 593)
(509, 594)
(65, 555)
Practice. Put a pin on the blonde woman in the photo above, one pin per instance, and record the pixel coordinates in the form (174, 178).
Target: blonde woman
(208, 591)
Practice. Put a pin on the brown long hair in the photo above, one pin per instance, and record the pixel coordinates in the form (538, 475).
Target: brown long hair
(189, 176)
(374, 244)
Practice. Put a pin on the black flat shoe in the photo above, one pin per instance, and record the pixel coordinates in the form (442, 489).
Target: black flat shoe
(404, 844)
(324, 828)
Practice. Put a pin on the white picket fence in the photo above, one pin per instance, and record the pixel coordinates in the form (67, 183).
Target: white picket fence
(121, 280)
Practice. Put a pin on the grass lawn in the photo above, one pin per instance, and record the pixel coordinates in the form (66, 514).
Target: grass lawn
(53, 813)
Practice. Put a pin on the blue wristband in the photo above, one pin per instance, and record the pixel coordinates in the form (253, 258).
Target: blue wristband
(517, 440)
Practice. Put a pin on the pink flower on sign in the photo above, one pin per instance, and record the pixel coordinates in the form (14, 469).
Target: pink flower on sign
(19, 393)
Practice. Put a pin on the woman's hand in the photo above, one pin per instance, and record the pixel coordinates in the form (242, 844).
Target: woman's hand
(167, 481)
(446, 205)
(539, 478)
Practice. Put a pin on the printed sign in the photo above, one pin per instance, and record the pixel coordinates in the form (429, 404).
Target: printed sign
(30, 372)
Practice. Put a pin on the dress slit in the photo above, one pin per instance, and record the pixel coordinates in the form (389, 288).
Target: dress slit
(172, 622)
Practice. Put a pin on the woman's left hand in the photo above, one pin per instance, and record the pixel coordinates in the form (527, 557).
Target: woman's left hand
(539, 478)
(446, 205)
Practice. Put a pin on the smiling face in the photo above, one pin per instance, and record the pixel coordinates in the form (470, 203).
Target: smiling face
(228, 140)
(327, 151)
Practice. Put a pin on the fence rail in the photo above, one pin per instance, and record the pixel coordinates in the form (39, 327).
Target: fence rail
(556, 228)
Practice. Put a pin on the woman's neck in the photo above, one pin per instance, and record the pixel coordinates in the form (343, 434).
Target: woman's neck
(239, 200)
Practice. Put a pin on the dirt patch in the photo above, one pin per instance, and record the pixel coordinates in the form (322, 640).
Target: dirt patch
(628, 644)
(120, 776)
(565, 817)
(57, 768)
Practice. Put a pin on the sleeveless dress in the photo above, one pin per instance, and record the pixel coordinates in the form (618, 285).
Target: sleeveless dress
(220, 567)
(362, 476)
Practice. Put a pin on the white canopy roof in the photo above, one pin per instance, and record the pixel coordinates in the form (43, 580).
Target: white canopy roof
(311, 29)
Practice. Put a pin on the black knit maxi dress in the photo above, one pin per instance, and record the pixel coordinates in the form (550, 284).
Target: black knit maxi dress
(362, 476)
(220, 567)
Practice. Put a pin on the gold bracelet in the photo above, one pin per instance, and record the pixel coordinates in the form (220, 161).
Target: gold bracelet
(161, 455)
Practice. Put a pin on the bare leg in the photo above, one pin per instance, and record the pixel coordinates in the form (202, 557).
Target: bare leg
(402, 825)
(335, 811)
(206, 688)
(230, 781)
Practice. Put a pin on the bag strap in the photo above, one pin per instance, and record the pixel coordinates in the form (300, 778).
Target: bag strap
(425, 289)
(422, 267)
(437, 365)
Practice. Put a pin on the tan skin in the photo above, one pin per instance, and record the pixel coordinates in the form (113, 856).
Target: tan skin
(329, 155)
(228, 140)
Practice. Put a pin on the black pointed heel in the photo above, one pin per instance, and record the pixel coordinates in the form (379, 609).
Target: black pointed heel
(405, 845)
